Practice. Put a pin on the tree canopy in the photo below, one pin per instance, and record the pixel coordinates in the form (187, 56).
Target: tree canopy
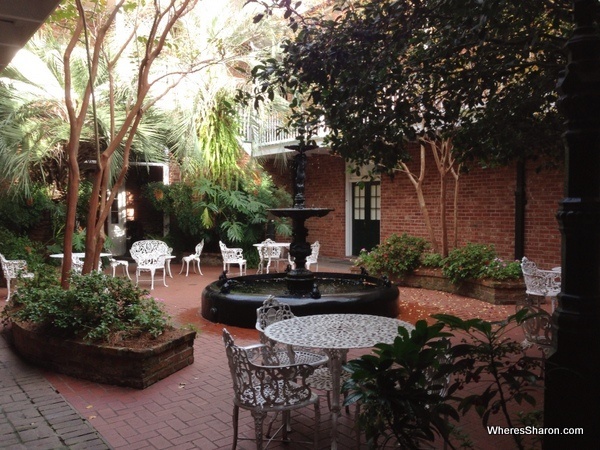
(380, 73)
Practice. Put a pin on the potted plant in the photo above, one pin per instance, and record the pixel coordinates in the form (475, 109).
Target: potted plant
(102, 328)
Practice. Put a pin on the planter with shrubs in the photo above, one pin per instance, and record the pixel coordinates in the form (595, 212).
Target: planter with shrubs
(102, 329)
(472, 271)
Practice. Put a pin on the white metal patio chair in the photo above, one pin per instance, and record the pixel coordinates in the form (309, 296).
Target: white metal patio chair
(263, 386)
(313, 258)
(150, 256)
(538, 327)
(232, 256)
(13, 269)
(194, 258)
(76, 264)
(541, 283)
(268, 253)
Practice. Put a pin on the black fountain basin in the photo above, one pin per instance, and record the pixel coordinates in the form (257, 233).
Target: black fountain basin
(340, 294)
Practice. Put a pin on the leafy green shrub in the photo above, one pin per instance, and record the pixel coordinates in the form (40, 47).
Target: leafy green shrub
(432, 260)
(96, 307)
(501, 270)
(397, 255)
(399, 399)
(400, 386)
(207, 210)
(487, 356)
(468, 262)
(475, 261)
(16, 246)
(20, 213)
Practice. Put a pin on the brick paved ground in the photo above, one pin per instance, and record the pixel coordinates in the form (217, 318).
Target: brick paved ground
(34, 416)
(192, 408)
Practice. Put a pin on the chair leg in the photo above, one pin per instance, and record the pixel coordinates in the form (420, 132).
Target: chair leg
(317, 423)
(286, 426)
(187, 267)
(356, 424)
(7, 289)
(182, 261)
(152, 279)
(236, 414)
(259, 418)
(199, 270)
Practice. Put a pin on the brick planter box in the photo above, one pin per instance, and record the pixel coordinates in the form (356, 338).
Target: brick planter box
(136, 368)
(495, 292)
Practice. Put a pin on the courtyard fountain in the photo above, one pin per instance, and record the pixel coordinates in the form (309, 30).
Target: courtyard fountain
(233, 301)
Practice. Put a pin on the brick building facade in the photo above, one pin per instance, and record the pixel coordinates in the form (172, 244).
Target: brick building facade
(486, 207)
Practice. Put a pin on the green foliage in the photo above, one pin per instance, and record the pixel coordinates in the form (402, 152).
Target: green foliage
(400, 388)
(21, 213)
(501, 270)
(410, 389)
(206, 210)
(400, 255)
(379, 72)
(208, 140)
(487, 356)
(96, 307)
(17, 246)
(397, 255)
(468, 262)
(433, 260)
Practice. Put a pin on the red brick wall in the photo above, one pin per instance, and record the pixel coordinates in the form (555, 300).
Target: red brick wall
(486, 207)
(325, 188)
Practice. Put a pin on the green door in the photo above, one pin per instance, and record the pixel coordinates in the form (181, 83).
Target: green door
(366, 215)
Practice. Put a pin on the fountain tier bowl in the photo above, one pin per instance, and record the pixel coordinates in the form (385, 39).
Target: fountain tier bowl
(340, 294)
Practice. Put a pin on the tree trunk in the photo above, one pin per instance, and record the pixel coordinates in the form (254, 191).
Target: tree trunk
(418, 184)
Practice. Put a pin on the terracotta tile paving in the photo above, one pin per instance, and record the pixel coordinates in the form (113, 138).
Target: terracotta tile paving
(192, 408)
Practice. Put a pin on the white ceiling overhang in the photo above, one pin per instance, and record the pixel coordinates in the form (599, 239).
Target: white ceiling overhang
(19, 20)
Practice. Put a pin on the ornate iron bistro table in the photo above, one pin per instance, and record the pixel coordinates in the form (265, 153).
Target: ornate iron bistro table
(334, 333)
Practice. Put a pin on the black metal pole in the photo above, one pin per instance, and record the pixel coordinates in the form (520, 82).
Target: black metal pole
(572, 396)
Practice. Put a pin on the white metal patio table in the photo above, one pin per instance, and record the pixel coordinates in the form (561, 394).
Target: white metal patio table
(334, 333)
(79, 255)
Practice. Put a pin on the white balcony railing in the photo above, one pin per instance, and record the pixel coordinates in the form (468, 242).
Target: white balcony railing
(266, 133)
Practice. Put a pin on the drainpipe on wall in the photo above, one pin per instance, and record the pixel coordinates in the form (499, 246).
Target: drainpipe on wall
(520, 202)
